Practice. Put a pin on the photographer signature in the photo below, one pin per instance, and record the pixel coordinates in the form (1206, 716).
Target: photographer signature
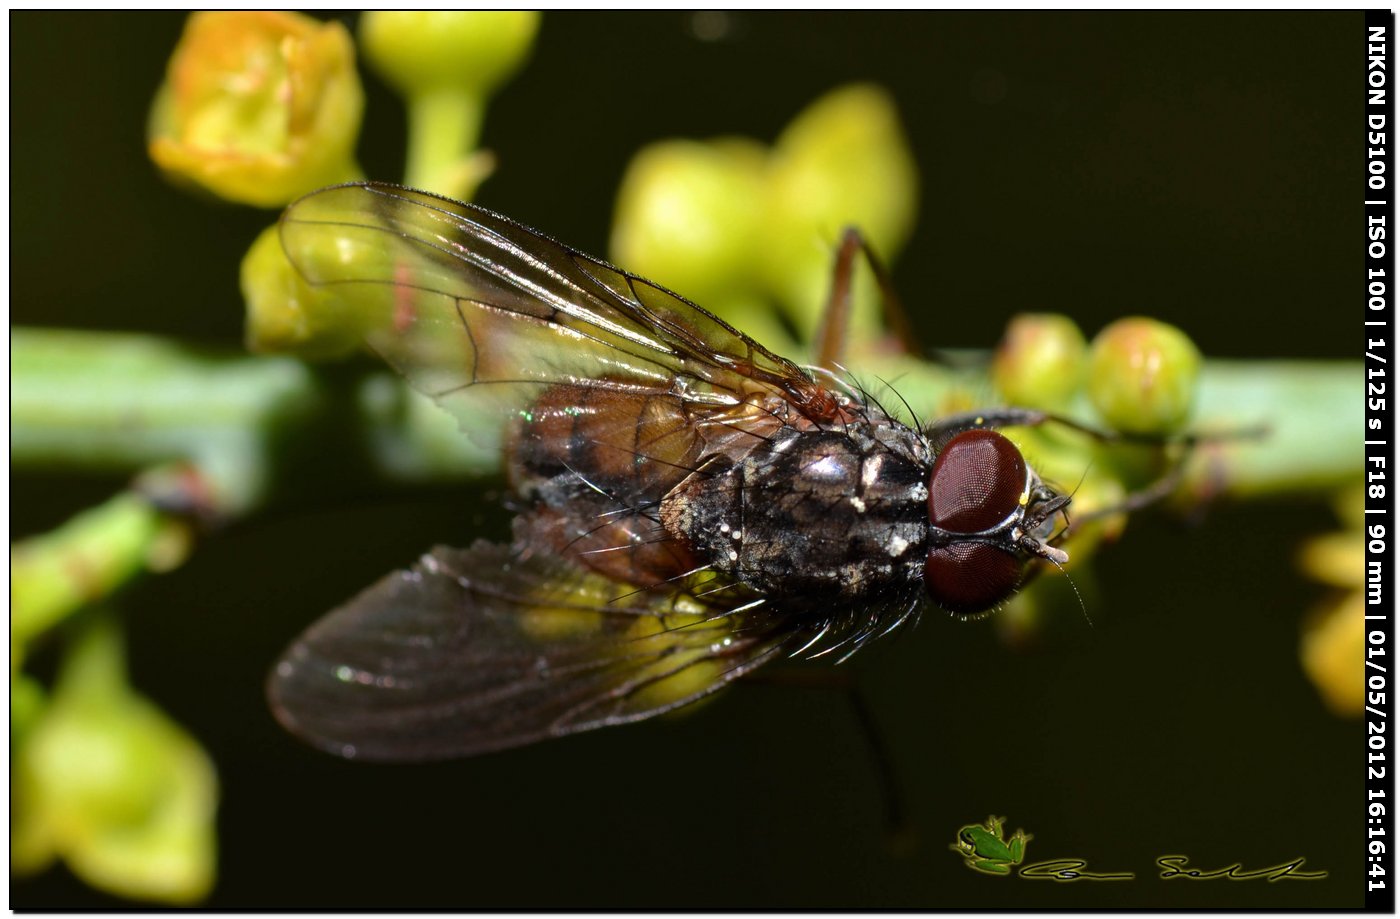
(985, 848)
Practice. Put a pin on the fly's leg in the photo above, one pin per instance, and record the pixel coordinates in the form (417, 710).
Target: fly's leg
(899, 831)
(941, 431)
(831, 334)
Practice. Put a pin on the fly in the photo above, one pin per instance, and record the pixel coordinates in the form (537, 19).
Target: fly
(692, 505)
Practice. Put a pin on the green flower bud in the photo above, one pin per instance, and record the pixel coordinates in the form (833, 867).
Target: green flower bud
(258, 108)
(108, 783)
(445, 64)
(285, 314)
(1040, 361)
(844, 161)
(1142, 376)
(688, 216)
(421, 51)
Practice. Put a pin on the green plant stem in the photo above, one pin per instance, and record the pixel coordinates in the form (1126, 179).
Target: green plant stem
(208, 434)
(129, 402)
(247, 426)
(83, 560)
(1313, 415)
(443, 128)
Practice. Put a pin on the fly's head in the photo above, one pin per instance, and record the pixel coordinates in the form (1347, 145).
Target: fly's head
(989, 515)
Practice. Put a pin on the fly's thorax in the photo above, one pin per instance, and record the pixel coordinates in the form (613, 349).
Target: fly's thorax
(816, 516)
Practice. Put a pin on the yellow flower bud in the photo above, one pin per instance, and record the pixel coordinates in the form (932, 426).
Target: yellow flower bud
(844, 161)
(1040, 361)
(422, 51)
(285, 314)
(107, 782)
(1334, 635)
(258, 108)
(1142, 376)
(27, 698)
(1333, 653)
(688, 217)
(446, 64)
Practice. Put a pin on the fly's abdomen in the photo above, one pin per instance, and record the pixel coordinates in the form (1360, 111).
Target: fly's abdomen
(633, 446)
(596, 463)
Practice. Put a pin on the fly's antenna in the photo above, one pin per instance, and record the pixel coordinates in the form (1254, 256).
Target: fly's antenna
(1064, 510)
(1075, 587)
(1082, 476)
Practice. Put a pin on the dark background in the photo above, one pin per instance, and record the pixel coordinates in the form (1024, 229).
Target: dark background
(1203, 168)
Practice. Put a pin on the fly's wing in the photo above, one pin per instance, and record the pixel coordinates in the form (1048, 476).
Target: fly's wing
(488, 648)
(482, 314)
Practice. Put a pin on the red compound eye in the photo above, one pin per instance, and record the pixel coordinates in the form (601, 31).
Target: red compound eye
(977, 481)
(968, 577)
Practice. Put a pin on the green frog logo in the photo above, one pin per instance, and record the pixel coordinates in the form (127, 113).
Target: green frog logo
(985, 848)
